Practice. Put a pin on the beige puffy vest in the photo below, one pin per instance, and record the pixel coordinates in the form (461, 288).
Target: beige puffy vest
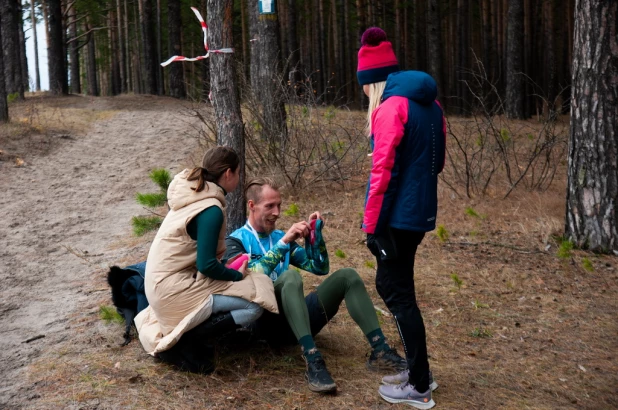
(179, 296)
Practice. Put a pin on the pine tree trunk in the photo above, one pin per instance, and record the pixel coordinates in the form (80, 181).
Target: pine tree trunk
(592, 197)
(269, 78)
(158, 58)
(37, 72)
(550, 56)
(55, 57)
(128, 65)
(25, 83)
(122, 52)
(176, 79)
(4, 105)
(226, 102)
(514, 61)
(116, 87)
(9, 45)
(254, 36)
(434, 43)
(293, 51)
(91, 73)
(76, 87)
(462, 56)
(149, 47)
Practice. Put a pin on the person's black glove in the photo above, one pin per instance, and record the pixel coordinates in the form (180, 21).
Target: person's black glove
(372, 244)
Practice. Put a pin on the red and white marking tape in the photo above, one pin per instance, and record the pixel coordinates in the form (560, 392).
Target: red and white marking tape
(208, 52)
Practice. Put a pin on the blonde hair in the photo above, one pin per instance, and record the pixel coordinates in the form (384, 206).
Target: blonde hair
(375, 98)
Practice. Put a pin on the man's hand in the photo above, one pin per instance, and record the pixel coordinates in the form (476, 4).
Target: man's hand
(298, 230)
(315, 215)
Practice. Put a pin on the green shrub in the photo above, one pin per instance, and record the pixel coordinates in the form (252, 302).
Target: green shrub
(442, 233)
(340, 254)
(143, 224)
(151, 200)
(480, 332)
(587, 264)
(292, 210)
(161, 177)
(458, 282)
(370, 264)
(109, 314)
(564, 251)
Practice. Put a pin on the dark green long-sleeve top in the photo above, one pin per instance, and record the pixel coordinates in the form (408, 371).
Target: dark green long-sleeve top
(204, 229)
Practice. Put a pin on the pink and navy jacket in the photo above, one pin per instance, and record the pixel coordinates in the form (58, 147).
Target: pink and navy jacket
(408, 143)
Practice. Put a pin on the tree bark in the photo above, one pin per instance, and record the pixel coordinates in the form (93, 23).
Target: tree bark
(254, 36)
(462, 56)
(434, 42)
(293, 51)
(122, 51)
(91, 71)
(76, 87)
(37, 72)
(515, 87)
(4, 105)
(12, 70)
(55, 57)
(25, 83)
(226, 102)
(149, 47)
(175, 73)
(270, 79)
(592, 196)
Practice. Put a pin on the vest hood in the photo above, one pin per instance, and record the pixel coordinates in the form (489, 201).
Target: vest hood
(415, 85)
(180, 194)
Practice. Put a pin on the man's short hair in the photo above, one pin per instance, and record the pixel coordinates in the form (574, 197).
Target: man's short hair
(253, 188)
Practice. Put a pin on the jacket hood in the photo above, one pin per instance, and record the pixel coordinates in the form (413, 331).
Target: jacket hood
(180, 194)
(415, 85)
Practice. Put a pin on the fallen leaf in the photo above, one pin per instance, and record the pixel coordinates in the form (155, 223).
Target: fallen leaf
(117, 365)
(562, 380)
(19, 162)
(582, 368)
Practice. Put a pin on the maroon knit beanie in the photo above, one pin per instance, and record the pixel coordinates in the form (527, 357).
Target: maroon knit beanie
(376, 59)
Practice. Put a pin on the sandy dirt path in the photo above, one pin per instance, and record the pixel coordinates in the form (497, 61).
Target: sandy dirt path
(77, 200)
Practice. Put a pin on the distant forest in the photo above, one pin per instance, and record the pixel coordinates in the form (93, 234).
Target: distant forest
(482, 53)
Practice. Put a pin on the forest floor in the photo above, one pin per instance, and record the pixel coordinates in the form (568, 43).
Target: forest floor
(510, 323)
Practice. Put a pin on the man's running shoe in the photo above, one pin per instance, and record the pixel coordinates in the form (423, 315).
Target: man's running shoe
(318, 377)
(386, 360)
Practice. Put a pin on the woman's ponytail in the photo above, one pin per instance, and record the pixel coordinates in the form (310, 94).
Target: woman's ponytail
(215, 162)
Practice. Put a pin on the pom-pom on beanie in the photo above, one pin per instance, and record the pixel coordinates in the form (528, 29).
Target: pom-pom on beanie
(376, 59)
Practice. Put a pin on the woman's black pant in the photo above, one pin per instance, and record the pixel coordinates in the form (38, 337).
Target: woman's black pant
(395, 284)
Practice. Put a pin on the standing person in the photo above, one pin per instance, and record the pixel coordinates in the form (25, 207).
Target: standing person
(272, 252)
(185, 282)
(407, 132)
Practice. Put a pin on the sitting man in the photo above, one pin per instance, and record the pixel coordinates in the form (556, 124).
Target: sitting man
(301, 318)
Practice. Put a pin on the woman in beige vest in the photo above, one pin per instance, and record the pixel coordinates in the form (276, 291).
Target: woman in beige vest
(192, 295)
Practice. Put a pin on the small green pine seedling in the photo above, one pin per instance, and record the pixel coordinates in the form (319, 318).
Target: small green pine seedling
(442, 233)
(509, 284)
(564, 252)
(531, 137)
(504, 133)
(151, 200)
(12, 97)
(370, 264)
(471, 212)
(458, 282)
(143, 224)
(161, 177)
(479, 305)
(292, 210)
(109, 314)
(339, 253)
(480, 332)
(587, 264)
